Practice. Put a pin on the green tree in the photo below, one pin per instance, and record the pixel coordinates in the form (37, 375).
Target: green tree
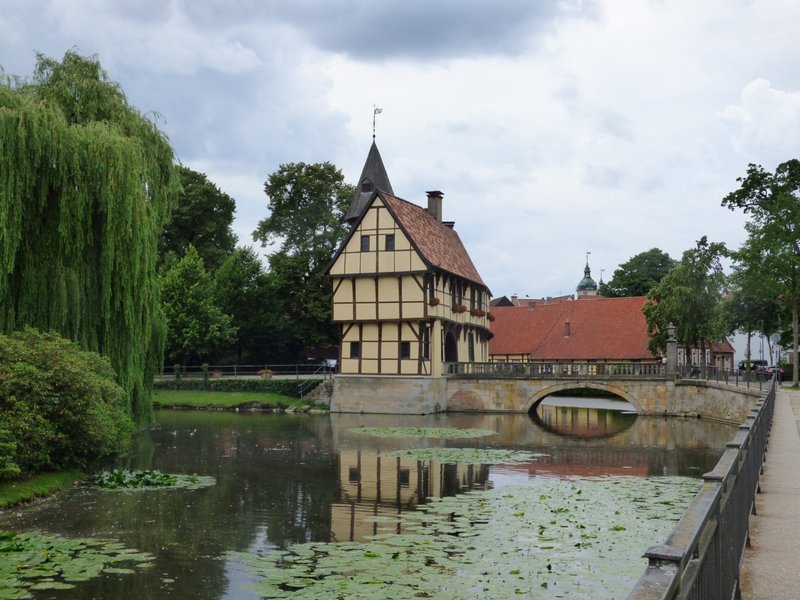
(202, 217)
(772, 202)
(196, 327)
(86, 185)
(688, 297)
(306, 204)
(753, 303)
(247, 293)
(639, 275)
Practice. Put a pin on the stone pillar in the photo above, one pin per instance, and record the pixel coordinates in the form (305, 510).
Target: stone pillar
(672, 351)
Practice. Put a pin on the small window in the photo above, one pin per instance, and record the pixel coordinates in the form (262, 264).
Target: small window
(390, 241)
(365, 243)
(355, 349)
(405, 349)
(426, 344)
(366, 186)
(404, 477)
(471, 344)
(354, 475)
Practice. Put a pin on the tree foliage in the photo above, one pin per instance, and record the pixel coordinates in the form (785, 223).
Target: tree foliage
(688, 297)
(196, 327)
(772, 202)
(60, 406)
(639, 275)
(306, 204)
(247, 293)
(201, 217)
(85, 187)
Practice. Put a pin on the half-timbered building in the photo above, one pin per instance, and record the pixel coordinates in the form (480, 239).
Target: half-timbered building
(406, 294)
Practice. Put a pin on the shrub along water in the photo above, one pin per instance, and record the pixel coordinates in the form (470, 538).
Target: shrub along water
(60, 407)
(294, 388)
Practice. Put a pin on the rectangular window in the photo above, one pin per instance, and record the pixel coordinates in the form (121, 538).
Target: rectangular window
(472, 304)
(390, 242)
(426, 343)
(354, 474)
(355, 349)
(404, 477)
(471, 343)
(365, 243)
(405, 349)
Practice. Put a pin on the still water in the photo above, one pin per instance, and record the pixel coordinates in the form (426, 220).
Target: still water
(284, 479)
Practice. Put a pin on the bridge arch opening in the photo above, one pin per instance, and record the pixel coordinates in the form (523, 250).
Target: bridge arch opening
(584, 417)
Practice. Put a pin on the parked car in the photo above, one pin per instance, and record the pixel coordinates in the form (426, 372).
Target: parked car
(755, 365)
(772, 369)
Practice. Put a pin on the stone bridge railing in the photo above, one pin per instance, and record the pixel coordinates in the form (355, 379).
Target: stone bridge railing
(560, 370)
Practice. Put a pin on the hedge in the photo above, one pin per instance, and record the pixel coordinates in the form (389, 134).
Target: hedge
(294, 388)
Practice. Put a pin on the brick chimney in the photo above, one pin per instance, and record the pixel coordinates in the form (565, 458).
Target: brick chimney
(435, 204)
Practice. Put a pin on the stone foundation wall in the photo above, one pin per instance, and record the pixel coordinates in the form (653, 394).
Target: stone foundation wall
(386, 394)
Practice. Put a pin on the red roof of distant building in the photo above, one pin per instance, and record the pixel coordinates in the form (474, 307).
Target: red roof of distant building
(594, 328)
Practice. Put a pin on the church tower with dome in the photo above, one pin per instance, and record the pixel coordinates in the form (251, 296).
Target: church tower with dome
(587, 286)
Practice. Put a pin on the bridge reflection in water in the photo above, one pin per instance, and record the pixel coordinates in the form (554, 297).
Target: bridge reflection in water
(578, 440)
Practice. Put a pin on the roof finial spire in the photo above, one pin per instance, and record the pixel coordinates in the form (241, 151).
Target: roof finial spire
(375, 111)
(588, 252)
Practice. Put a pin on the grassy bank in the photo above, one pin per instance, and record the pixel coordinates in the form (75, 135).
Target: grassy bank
(225, 400)
(14, 492)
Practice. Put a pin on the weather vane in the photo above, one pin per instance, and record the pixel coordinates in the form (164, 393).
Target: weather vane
(587, 256)
(375, 112)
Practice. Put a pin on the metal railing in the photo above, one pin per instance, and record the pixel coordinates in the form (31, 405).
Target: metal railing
(749, 379)
(294, 371)
(700, 560)
(561, 370)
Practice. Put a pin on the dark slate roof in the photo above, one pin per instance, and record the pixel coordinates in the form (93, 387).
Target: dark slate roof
(437, 244)
(375, 173)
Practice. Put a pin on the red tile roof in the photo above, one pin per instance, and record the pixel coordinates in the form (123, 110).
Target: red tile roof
(599, 328)
(439, 245)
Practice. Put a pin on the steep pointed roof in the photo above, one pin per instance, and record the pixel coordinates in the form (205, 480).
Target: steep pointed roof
(373, 177)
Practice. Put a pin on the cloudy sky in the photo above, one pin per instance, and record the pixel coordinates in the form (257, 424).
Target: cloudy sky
(553, 128)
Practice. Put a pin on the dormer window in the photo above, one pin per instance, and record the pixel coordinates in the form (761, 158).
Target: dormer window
(366, 186)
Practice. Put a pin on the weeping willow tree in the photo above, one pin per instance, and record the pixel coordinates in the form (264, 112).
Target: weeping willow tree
(86, 185)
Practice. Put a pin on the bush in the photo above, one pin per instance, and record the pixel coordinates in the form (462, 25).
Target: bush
(294, 388)
(59, 405)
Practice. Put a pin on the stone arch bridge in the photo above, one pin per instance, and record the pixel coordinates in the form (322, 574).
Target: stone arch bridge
(520, 387)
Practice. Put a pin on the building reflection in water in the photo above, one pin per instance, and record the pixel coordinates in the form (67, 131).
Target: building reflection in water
(373, 485)
(584, 440)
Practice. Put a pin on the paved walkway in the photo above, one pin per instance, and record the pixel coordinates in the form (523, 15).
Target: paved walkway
(771, 567)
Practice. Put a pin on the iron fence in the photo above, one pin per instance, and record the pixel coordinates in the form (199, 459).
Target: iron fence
(749, 379)
(295, 371)
(701, 558)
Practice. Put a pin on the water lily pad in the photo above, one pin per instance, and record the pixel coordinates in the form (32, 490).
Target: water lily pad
(422, 432)
(123, 479)
(469, 456)
(547, 550)
(32, 561)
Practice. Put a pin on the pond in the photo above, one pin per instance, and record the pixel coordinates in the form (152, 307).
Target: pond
(459, 516)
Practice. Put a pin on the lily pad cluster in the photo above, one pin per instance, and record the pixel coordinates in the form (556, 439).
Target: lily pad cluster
(422, 432)
(558, 538)
(469, 456)
(32, 561)
(123, 479)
